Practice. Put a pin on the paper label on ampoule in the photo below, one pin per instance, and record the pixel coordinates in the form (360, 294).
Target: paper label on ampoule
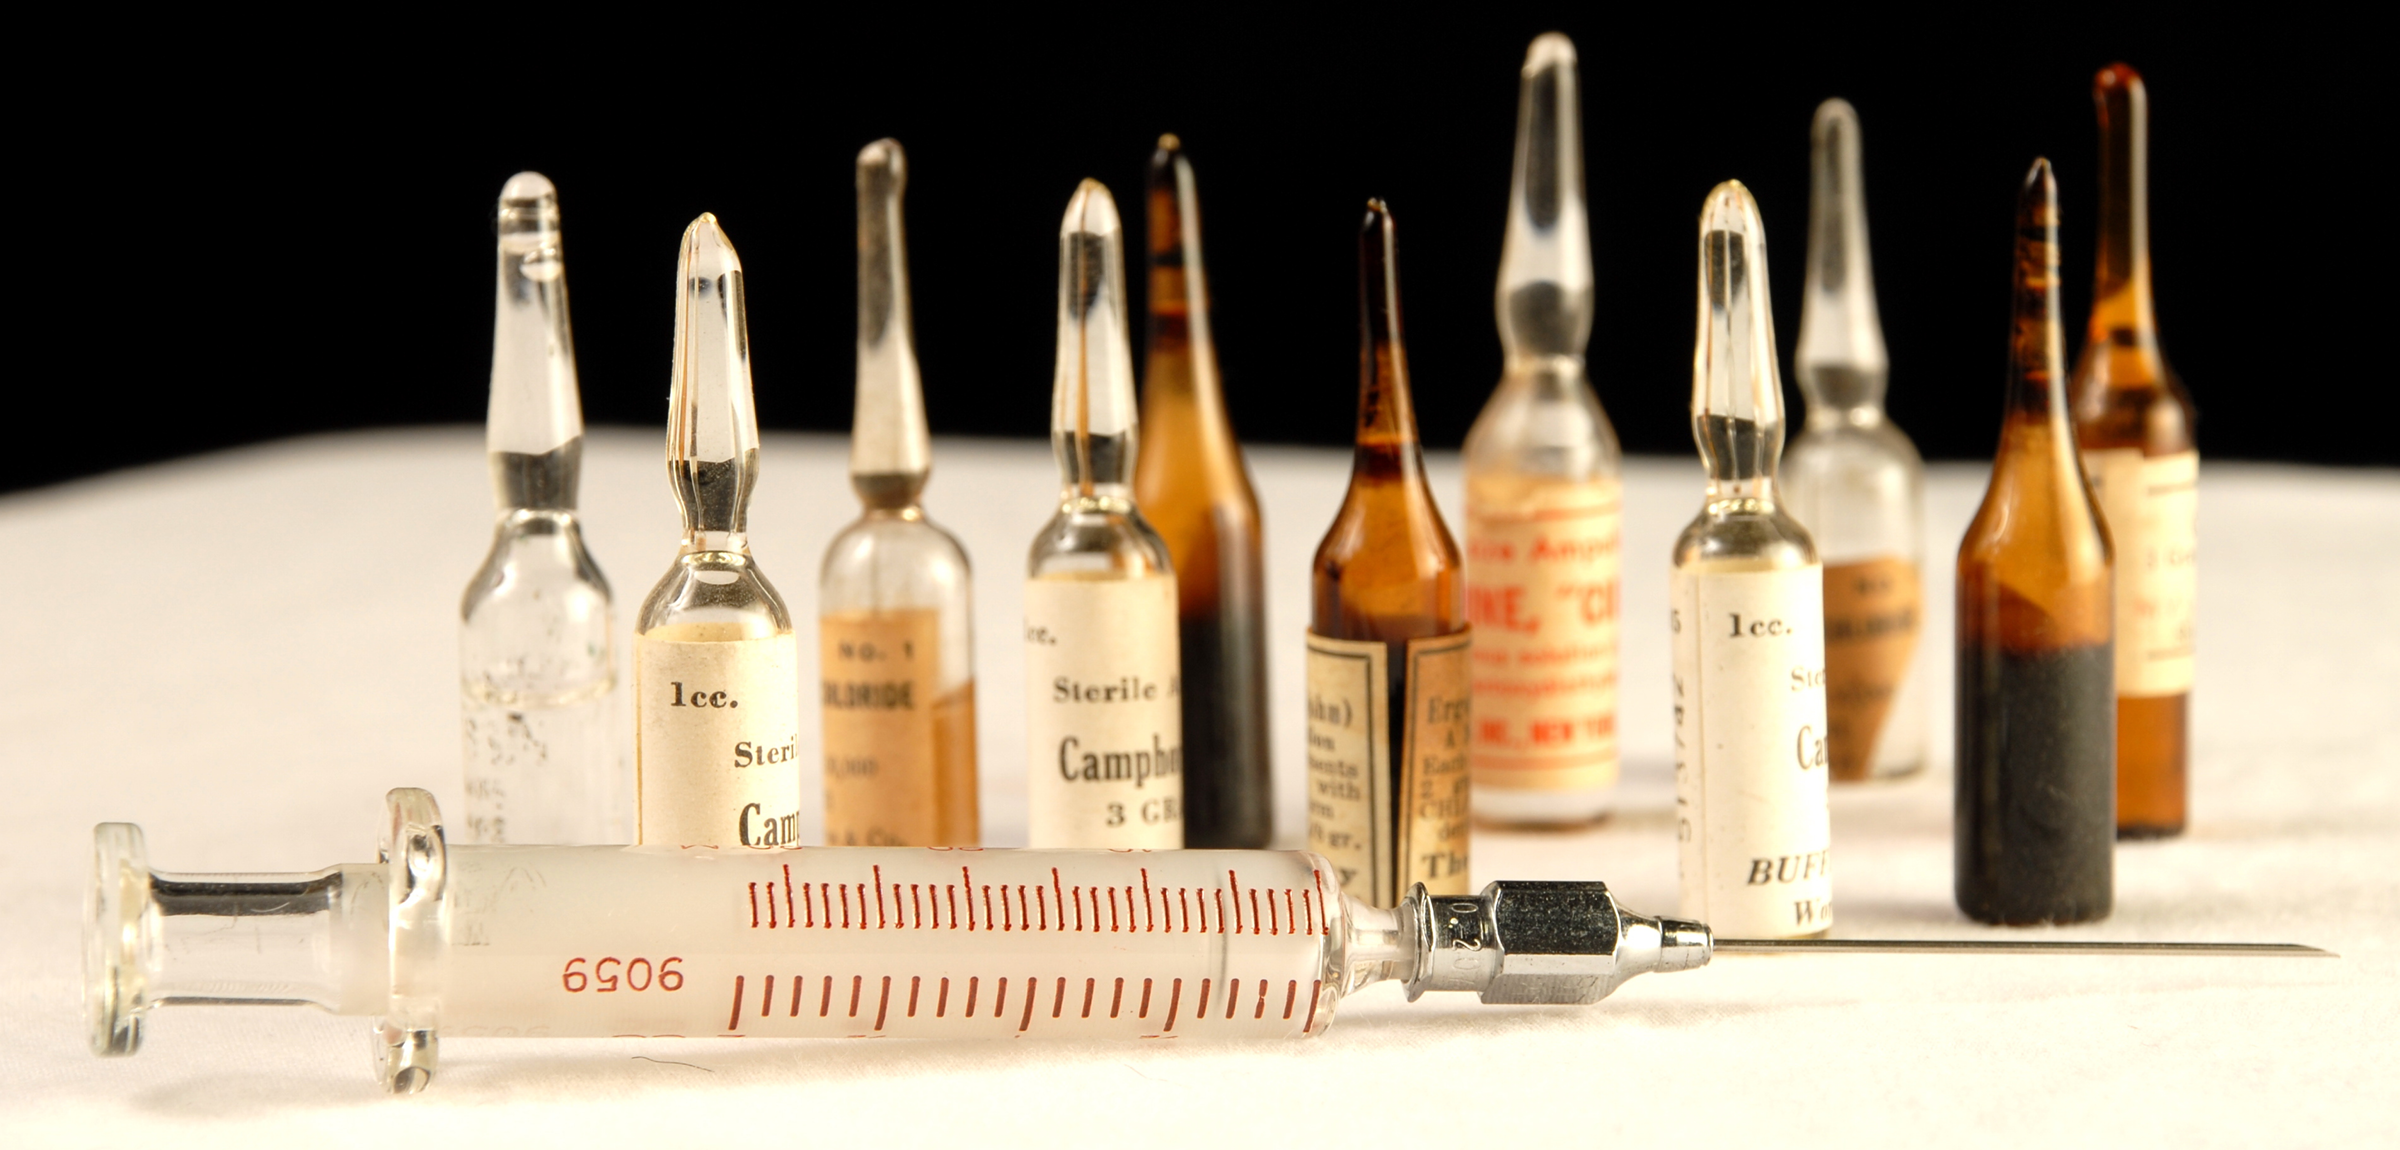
(2153, 510)
(1542, 594)
(878, 680)
(1750, 756)
(1389, 817)
(1104, 713)
(718, 737)
(1872, 611)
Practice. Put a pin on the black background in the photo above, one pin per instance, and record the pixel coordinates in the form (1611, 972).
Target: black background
(256, 241)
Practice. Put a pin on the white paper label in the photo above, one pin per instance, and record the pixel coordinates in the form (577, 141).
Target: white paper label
(717, 742)
(1387, 828)
(1103, 713)
(1750, 758)
(2153, 510)
(1542, 594)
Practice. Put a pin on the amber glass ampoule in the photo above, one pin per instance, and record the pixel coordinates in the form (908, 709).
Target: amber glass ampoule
(895, 636)
(1387, 637)
(1192, 485)
(2035, 823)
(2133, 420)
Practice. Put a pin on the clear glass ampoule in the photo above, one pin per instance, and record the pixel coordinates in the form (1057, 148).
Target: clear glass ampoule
(536, 648)
(1195, 489)
(2134, 421)
(1389, 645)
(895, 640)
(716, 669)
(1104, 706)
(2035, 818)
(1543, 495)
(1748, 622)
(1855, 481)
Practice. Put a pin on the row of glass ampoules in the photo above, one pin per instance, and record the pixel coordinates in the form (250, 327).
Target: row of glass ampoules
(1795, 614)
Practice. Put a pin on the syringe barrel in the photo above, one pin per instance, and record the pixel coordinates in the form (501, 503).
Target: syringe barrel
(904, 942)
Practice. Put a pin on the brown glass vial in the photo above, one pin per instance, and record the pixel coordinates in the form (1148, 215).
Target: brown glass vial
(1388, 672)
(2036, 820)
(1192, 484)
(2133, 420)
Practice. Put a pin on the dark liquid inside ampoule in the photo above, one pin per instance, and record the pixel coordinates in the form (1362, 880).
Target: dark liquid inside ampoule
(1225, 791)
(2036, 808)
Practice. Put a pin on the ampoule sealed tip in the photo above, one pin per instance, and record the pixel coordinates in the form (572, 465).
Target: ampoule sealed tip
(888, 437)
(1092, 396)
(1733, 362)
(712, 427)
(1545, 291)
(1839, 325)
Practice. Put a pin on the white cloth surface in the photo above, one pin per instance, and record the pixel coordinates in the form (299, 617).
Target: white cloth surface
(242, 652)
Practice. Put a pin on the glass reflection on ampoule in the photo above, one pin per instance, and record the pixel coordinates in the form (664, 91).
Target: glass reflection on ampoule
(1748, 621)
(894, 597)
(1104, 709)
(716, 671)
(1543, 502)
(537, 658)
(1855, 481)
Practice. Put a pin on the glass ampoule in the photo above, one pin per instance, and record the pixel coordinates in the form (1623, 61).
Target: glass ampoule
(536, 647)
(1748, 621)
(2035, 823)
(2134, 421)
(1854, 480)
(1104, 712)
(1388, 637)
(1195, 489)
(716, 668)
(895, 640)
(1543, 493)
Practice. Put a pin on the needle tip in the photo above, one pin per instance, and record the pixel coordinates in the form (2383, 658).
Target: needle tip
(1092, 212)
(1549, 50)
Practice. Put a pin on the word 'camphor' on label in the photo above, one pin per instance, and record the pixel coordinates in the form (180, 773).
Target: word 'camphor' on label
(2153, 510)
(1389, 816)
(1104, 713)
(1750, 755)
(717, 737)
(1542, 593)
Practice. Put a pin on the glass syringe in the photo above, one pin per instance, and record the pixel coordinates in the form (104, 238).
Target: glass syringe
(833, 942)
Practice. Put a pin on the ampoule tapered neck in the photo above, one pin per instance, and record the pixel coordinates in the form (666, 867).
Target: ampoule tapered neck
(1179, 323)
(1545, 291)
(712, 428)
(1386, 415)
(2037, 348)
(888, 441)
(536, 416)
(1840, 358)
(1737, 393)
(2121, 299)
(1092, 413)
